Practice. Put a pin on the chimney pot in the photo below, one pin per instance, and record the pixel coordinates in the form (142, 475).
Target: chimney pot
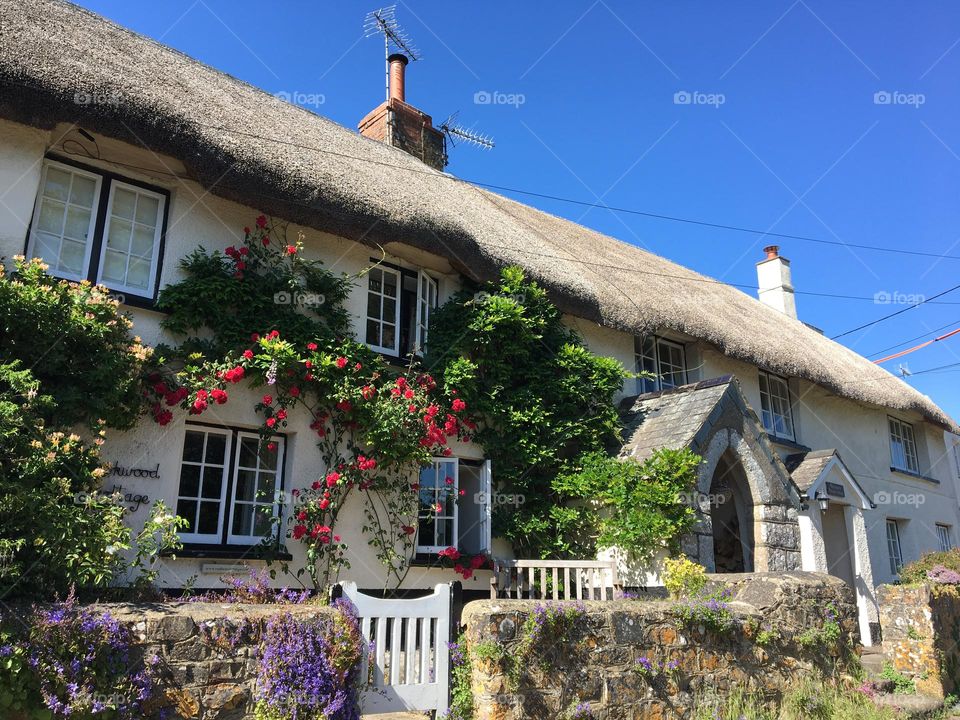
(775, 282)
(772, 251)
(398, 63)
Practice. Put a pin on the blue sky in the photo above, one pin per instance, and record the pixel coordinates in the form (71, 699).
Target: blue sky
(828, 120)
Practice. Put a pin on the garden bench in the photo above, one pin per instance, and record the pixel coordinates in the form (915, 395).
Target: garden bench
(555, 579)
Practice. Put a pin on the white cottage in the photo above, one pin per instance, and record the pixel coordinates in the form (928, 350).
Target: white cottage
(815, 457)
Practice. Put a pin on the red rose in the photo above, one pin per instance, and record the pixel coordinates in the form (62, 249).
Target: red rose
(408, 394)
(458, 569)
(311, 346)
(458, 405)
(316, 485)
(271, 422)
(266, 240)
(294, 392)
(281, 414)
(344, 405)
(341, 362)
(477, 561)
(291, 249)
(271, 447)
(332, 479)
(467, 573)
(358, 367)
(367, 392)
(244, 251)
(246, 231)
(219, 396)
(324, 504)
(248, 354)
(241, 265)
(255, 337)
(336, 538)
(408, 529)
(299, 531)
(262, 221)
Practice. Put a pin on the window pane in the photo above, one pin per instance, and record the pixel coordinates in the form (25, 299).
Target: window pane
(83, 191)
(57, 186)
(148, 208)
(373, 306)
(138, 273)
(242, 519)
(71, 257)
(389, 336)
(212, 482)
(373, 332)
(248, 453)
(114, 266)
(209, 518)
(246, 484)
(142, 243)
(124, 202)
(193, 446)
(265, 486)
(51, 216)
(118, 236)
(190, 481)
(188, 509)
(78, 223)
(263, 521)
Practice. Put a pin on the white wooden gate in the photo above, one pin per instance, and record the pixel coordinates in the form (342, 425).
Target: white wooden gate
(408, 641)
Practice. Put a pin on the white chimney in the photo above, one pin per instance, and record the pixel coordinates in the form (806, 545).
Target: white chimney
(776, 286)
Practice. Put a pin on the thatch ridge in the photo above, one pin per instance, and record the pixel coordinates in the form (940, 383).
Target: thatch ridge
(247, 146)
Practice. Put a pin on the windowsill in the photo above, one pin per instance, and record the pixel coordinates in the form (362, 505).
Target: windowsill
(136, 301)
(793, 444)
(226, 552)
(914, 475)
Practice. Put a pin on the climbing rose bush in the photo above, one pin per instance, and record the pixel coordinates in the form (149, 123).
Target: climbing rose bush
(374, 427)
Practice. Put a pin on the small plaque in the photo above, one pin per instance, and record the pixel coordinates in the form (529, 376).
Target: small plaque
(835, 489)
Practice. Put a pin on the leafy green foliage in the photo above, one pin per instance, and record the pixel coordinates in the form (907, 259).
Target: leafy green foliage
(264, 285)
(682, 577)
(76, 343)
(630, 505)
(902, 685)
(543, 399)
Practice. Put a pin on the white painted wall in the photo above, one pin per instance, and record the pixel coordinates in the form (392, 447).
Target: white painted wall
(197, 218)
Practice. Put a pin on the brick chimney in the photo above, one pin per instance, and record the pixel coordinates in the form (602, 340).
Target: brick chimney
(397, 123)
(775, 282)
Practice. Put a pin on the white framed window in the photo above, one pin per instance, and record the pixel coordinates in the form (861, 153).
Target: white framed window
(132, 229)
(91, 225)
(229, 486)
(256, 483)
(944, 537)
(664, 359)
(204, 472)
(893, 547)
(903, 446)
(456, 505)
(426, 302)
(776, 410)
(400, 303)
(64, 219)
(383, 310)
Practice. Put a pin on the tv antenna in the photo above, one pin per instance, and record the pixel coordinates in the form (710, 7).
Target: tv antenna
(383, 21)
(904, 370)
(455, 132)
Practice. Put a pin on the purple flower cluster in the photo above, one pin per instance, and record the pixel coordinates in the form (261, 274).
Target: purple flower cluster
(309, 667)
(943, 575)
(646, 667)
(582, 712)
(712, 610)
(552, 619)
(457, 656)
(83, 664)
(255, 590)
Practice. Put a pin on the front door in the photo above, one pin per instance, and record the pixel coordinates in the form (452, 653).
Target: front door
(836, 542)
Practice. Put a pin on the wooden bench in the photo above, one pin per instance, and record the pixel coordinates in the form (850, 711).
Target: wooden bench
(555, 580)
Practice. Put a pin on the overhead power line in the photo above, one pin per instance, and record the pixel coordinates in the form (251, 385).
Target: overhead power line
(910, 340)
(898, 312)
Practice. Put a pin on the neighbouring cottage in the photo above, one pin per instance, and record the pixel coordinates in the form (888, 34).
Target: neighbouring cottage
(118, 156)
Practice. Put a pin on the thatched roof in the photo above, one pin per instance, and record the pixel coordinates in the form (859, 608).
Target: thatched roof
(252, 148)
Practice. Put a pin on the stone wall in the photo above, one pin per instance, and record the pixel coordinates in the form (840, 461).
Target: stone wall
(596, 661)
(199, 680)
(921, 635)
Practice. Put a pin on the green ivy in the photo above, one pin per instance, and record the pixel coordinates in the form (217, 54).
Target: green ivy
(543, 397)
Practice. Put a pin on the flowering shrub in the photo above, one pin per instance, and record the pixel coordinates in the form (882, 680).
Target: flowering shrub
(254, 589)
(943, 576)
(309, 668)
(76, 662)
(374, 428)
(826, 635)
(464, 565)
(918, 571)
(708, 609)
(543, 632)
(461, 681)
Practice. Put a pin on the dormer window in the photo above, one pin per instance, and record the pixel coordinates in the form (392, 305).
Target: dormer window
(776, 410)
(399, 305)
(664, 359)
